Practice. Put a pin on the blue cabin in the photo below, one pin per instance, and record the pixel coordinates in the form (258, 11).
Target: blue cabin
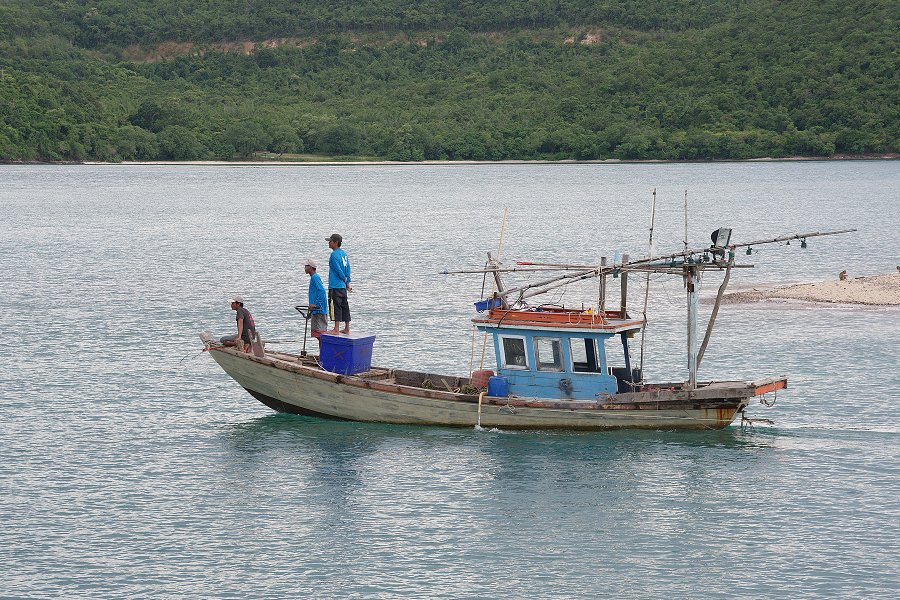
(557, 353)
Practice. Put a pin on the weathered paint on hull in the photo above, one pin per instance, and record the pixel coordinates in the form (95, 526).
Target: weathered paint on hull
(290, 391)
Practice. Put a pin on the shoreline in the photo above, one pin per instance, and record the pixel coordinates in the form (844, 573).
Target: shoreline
(868, 290)
(608, 161)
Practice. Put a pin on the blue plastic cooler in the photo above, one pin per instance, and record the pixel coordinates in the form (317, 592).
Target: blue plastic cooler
(498, 386)
(346, 354)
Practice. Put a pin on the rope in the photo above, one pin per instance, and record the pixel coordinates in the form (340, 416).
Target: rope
(191, 355)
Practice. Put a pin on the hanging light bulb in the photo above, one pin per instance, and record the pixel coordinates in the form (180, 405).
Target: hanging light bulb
(749, 250)
(803, 243)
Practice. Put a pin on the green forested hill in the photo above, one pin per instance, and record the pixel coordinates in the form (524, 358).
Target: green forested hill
(453, 79)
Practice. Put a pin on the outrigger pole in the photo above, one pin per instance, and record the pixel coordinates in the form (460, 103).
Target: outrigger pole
(665, 263)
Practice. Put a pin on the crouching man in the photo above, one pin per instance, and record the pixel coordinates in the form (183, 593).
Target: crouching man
(246, 327)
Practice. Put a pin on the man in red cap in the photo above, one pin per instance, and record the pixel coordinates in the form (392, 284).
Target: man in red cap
(318, 301)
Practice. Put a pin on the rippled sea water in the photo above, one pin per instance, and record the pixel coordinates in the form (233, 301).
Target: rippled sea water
(132, 467)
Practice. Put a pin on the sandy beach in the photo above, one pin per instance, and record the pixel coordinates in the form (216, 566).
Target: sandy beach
(876, 290)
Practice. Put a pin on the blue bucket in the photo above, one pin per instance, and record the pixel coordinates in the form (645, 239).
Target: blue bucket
(483, 305)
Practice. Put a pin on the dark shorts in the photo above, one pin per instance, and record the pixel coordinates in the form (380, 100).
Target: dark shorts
(246, 337)
(339, 305)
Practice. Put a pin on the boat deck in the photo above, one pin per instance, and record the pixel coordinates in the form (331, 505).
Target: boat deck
(708, 393)
(418, 379)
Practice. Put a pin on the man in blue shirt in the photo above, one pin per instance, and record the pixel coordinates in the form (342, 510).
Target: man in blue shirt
(338, 283)
(318, 301)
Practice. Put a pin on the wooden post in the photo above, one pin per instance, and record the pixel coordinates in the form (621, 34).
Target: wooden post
(602, 301)
(623, 277)
(692, 283)
(497, 282)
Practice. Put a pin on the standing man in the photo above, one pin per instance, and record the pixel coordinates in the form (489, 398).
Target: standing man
(339, 283)
(246, 327)
(318, 301)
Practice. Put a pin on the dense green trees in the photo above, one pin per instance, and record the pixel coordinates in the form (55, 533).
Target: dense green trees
(676, 79)
(100, 23)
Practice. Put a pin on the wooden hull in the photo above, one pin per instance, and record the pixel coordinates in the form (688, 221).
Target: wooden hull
(286, 384)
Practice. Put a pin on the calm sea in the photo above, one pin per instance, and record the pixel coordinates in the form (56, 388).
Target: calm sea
(131, 466)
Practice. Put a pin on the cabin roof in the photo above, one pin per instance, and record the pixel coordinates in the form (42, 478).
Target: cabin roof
(555, 319)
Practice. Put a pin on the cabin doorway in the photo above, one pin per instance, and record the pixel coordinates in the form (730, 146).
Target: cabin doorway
(585, 358)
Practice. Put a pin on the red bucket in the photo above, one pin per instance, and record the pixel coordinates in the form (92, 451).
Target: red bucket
(480, 377)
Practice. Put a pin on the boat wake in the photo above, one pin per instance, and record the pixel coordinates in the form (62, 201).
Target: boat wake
(890, 429)
(881, 429)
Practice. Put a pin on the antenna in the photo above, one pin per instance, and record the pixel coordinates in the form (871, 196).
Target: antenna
(647, 284)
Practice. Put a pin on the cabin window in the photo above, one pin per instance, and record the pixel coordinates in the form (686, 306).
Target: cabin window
(615, 353)
(514, 352)
(549, 353)
(584, 355)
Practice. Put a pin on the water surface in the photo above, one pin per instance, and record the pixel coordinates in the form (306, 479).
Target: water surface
(129, 466)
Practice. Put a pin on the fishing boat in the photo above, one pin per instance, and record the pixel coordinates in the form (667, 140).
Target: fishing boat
(555, 367)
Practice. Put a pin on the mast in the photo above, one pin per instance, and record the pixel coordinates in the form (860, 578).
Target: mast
(692, 285)
(495, 266)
